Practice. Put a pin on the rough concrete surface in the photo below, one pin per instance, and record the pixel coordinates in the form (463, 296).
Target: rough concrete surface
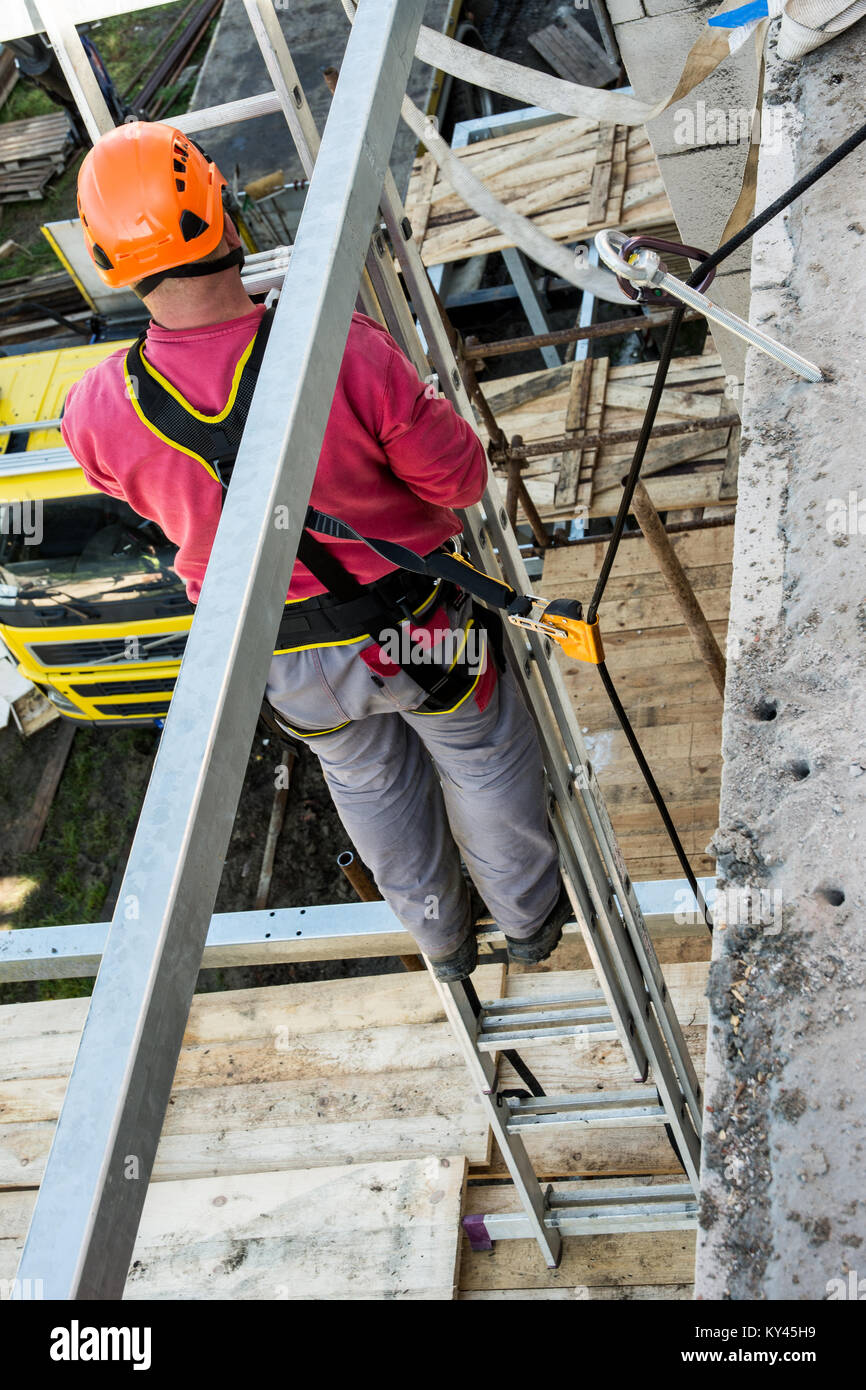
(784, 1177)
(316, 32)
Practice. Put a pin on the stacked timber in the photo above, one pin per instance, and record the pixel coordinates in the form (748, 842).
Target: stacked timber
(690, 463)
(32, 152)
(570, 177)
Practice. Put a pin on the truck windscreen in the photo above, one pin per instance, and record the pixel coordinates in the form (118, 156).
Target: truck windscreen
(92, 548)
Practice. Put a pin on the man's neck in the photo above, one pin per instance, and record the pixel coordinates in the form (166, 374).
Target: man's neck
(187, 304)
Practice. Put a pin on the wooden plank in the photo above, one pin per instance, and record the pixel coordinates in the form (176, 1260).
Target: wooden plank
(663, 1257)
(635, 1293)
(575, 415)
(695, 489)
(573, 53)
(418, 211)
(366, 1231)
(287, 1076)
(323, 1006)
(30, 831)
(601, 176)
(262, 1126)
(546, 174)
(666, 692)
(566, 566)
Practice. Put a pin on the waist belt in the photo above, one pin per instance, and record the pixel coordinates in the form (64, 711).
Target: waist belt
(328, 620)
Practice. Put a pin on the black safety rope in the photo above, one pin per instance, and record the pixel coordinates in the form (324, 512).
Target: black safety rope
(696, 278)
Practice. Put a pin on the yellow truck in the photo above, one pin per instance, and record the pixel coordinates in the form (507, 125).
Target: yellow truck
(90, 606)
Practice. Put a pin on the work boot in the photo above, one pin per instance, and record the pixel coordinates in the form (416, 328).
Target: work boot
(537, 947)
(460, 964)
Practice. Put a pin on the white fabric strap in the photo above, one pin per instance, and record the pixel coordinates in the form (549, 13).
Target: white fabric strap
(807, 24)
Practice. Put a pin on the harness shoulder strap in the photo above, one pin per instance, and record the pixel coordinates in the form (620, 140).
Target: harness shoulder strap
(213, 440)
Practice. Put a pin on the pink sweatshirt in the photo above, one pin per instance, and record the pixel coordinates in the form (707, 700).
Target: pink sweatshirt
(393, 461)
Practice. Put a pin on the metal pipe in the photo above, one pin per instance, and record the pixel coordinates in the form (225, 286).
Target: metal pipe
(275, 825)
(512, 490)
(707, 523)
(614, 329)
(678, 582)
(574, 443)
(166, 38)
(369, 893)
(539, 530)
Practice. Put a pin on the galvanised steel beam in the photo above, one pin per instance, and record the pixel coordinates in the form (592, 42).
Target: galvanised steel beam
(86, 1217)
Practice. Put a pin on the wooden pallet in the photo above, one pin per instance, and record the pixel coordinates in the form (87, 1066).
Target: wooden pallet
(31, 153)
(573, 53)
(37, 137)
(664, 686)
(680, 471)
(19, 185)
(570, 177)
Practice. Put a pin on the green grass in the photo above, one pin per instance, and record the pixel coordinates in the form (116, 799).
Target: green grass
(86, 834)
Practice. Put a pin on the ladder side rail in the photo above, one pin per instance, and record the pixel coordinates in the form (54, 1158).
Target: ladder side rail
(483, 1070)
(559, 727)
(381, 279)
(75, 63)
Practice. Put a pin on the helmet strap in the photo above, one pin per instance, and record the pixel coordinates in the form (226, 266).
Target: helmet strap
(189, 272)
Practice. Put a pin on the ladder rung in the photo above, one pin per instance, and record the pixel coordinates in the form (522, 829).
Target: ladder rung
(525, 1036)
(598, 1109)
(588, 1014)
(531, 1001)
(244, 109)
(598, 1211)
(575, 1194)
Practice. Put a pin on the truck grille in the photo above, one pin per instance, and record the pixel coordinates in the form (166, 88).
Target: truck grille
(96, 651)
(94, 688)
(138, 709)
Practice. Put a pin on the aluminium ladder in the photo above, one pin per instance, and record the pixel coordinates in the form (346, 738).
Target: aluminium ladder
(85, 1219)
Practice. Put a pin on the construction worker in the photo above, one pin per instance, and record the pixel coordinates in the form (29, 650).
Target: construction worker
(426, 746)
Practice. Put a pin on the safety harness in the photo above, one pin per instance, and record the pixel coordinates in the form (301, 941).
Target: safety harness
(349, 610)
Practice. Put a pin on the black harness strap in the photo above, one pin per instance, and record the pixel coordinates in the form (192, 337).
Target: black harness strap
(370, 608)
(439, 565)
(215, 443)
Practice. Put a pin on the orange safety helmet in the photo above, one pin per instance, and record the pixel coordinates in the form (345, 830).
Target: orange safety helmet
(150, 203)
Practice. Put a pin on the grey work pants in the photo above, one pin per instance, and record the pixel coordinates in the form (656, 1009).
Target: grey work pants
(412, 789)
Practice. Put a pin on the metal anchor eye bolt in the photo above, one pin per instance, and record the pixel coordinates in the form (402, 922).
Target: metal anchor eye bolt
(643, 267)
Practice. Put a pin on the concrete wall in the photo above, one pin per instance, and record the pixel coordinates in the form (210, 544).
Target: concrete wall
(784, 1178)
(702, 176)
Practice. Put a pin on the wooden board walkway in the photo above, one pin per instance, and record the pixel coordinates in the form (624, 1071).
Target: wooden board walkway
(665, 688)
(570, 177)
(366, 1231)
(322, 1116)
(692, 469)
